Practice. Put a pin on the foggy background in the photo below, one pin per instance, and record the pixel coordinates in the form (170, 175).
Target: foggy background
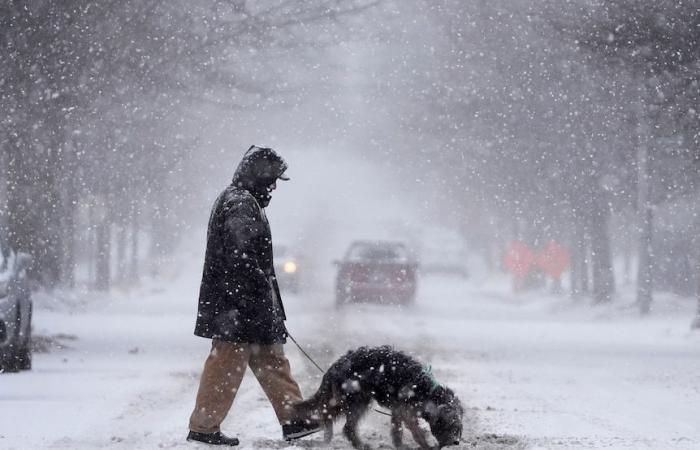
(504, 120)
(547, 149)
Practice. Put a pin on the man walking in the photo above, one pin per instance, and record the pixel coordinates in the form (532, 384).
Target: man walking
(240, 307)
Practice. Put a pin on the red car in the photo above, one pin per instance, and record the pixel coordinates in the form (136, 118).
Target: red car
(381, 271)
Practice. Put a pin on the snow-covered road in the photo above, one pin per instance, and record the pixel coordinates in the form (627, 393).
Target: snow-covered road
(533, 371)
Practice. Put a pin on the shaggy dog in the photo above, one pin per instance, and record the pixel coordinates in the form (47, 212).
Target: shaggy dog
(397, 382)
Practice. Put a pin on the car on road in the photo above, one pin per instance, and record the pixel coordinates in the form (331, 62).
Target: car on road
(289, 266)
(15, 310)
(443, 251)
(380, 271)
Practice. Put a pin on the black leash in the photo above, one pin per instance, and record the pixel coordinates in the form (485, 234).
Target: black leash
(319, 367)
(304, 353)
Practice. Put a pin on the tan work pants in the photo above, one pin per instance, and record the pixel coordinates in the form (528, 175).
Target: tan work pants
(223, 372)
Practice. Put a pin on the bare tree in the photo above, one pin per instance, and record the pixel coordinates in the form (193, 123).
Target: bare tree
(81, 80)
(656, 44)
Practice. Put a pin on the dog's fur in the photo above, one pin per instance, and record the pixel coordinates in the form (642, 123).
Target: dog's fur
(397, 382)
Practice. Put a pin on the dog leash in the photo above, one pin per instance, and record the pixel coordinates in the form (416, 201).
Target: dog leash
(319, 367)
(304, 353)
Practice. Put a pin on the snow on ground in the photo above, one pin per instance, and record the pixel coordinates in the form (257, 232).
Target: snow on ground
(533, 371)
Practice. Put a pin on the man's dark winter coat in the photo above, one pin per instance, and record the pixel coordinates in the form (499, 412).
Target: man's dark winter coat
(239, 298)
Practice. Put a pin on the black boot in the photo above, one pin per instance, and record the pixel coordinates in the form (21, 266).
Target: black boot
(216, 438)
(298, 429)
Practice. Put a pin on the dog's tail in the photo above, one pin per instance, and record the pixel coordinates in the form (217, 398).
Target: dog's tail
(320, 405)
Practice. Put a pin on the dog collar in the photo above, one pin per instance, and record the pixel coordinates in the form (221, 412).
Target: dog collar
(428, 371)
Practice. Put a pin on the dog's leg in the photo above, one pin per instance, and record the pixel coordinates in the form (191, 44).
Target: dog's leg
(327, 430)
(418, 434)
(397, 429)
(350, 429)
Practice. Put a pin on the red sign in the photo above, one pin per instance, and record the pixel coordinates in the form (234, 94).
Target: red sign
(519, 259)
(554, 259)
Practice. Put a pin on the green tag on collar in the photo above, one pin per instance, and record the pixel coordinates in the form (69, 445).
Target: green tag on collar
(429, 372)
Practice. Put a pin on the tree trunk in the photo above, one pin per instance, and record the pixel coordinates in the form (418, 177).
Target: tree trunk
(601, 260)
(575, 267)
(584, 246)
(579, 260)
(134, 263)
(102, 266)
(159, 234)
(50, 205)
(4, 183)
(30, 205)
(91, 245)
(20, 222)
(69, 195)
(628, 245)
(695, 324)
(644, 272)
(695, 242)
(68, 248)
(121, 252)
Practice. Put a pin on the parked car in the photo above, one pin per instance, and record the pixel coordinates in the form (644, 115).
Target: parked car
(381, 271)
(443, 251)
(15, 310)
(288, 268)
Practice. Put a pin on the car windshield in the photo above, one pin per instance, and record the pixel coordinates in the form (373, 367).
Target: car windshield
(377, 252)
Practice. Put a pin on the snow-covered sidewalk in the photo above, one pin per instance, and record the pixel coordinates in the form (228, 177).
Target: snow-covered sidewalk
(533, 371)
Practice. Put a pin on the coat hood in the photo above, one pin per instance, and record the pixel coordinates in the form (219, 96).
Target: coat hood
(260, 165)
(258, 170)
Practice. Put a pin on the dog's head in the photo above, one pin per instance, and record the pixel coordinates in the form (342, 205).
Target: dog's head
(445, 420)
(447, 425)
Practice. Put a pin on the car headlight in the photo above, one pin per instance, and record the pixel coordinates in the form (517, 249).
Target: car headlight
(289, 267)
